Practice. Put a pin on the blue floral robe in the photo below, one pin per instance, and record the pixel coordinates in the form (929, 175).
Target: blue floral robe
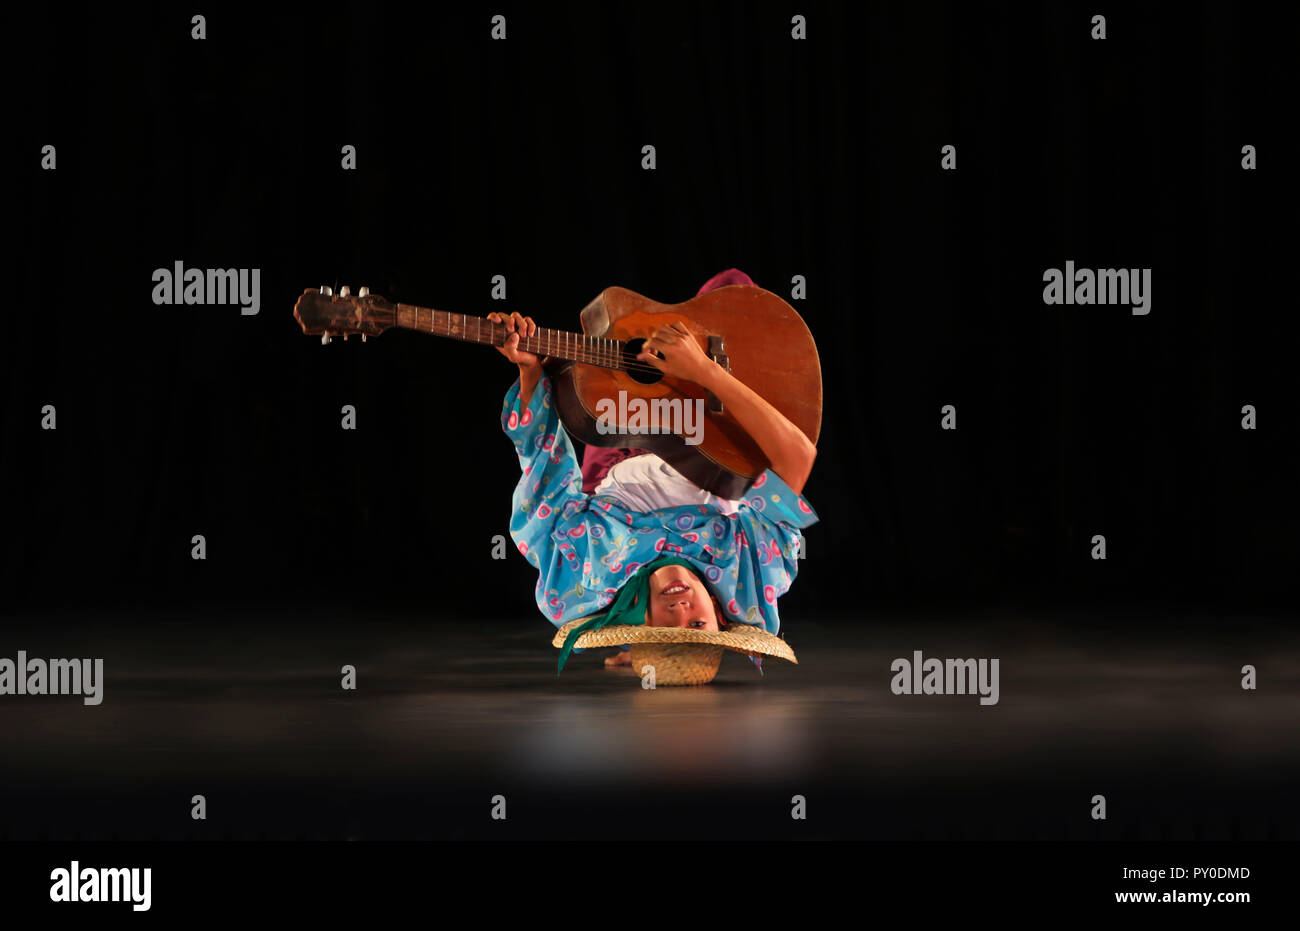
(586, 546)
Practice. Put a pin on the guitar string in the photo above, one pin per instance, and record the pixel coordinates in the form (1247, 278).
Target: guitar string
(606, 356)
(596, 350)
(545, 342)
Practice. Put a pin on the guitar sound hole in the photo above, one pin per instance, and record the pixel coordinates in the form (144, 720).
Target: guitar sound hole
(642, 372)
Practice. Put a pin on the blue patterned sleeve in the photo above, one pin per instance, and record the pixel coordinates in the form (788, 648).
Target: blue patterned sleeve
(550, 487)
(771, 498)
(772, 518)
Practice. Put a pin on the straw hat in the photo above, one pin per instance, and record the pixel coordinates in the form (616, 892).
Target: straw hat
(680, 655)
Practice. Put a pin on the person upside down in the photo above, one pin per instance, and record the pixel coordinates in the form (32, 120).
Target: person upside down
(642, 545)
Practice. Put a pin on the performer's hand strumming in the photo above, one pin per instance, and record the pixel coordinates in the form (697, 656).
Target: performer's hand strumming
(678, 354)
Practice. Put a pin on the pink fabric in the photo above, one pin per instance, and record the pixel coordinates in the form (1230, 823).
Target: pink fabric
(722, 279)
(597, 460)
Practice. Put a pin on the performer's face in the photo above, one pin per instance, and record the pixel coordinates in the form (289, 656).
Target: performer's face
(679, 599)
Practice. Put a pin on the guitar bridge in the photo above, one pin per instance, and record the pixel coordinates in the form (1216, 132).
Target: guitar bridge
(718, 353)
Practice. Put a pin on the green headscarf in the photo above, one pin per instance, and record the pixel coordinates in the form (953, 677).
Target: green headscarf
(629, 605)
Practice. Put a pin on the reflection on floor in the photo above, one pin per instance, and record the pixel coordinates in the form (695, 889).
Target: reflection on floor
(248, 712)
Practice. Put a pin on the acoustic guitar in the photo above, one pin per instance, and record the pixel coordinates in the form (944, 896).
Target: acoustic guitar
(752, 333)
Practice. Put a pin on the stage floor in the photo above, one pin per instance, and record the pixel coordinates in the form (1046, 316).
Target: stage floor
(246, 709)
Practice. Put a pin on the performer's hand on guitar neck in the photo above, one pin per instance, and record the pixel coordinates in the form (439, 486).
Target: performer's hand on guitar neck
(675, 351)
(530, 366)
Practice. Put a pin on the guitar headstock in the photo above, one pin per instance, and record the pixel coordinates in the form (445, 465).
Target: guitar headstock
(321, 311)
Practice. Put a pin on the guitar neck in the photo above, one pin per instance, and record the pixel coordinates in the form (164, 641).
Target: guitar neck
(558, 344)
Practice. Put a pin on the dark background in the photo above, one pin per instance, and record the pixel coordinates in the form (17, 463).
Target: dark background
(522, 158)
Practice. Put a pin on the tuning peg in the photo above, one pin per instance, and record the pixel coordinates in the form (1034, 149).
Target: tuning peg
(324, 339)
(364, 292)
(326, 290)
(344, 291)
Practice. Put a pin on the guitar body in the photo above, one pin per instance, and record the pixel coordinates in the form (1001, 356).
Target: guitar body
(766, 344)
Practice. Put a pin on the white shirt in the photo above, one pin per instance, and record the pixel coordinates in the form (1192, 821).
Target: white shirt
(647, 483)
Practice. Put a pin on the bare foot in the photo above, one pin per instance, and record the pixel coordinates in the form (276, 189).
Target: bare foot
(621, 658)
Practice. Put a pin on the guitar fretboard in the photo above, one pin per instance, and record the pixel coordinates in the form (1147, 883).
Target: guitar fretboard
(559, 344)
